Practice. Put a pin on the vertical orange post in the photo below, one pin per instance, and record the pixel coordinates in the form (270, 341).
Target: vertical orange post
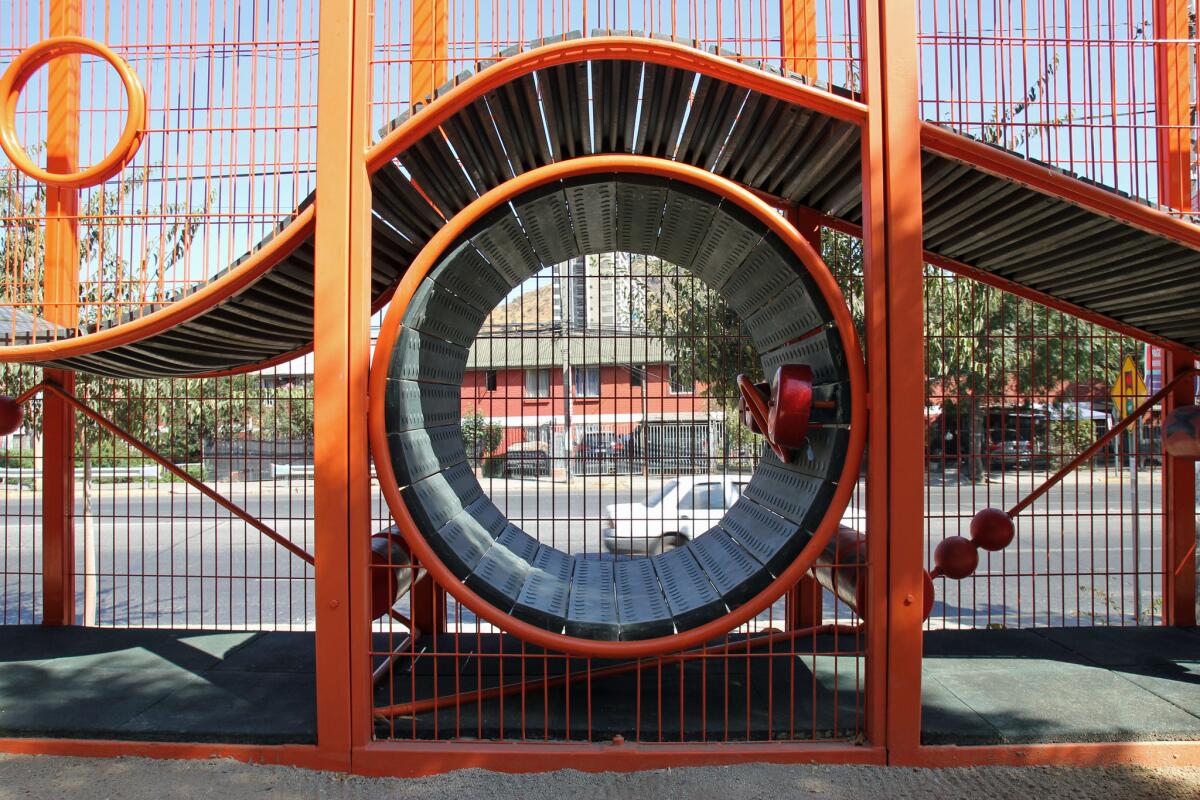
(804, 604)
(430, 47)
(893, 277)
(61, 297)
(1172, 90)
(341, 352)
(1179, 504)
(807, 224)
(430, 52)
(798, 19)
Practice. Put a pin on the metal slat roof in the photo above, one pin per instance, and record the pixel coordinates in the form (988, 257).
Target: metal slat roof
(543, 351)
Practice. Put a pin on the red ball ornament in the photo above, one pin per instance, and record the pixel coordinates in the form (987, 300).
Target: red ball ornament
(928, 595)
(11, 416)
(992, 529)
(1181, 432)
(956, 557)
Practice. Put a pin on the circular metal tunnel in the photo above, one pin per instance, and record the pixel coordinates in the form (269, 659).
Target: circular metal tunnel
(785, 314)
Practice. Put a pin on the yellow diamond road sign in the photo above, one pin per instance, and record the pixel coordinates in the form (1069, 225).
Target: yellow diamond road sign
(1129, 391)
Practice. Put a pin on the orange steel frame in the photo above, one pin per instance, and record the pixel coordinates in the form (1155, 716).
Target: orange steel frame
(1173, 102)
(894, 257)
(62, 291)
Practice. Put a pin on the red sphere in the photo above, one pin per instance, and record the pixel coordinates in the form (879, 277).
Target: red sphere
(956, 557)
(1181, 432)
(992, 529)
(11, 416)
(928, 595)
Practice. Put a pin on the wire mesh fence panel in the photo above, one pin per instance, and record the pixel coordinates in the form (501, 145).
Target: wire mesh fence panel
(1015, 392)
(227, 155)
(600, 419)
(1070, 84)
(152, 549)
(21, 565)
(155, 551)
(453, 39)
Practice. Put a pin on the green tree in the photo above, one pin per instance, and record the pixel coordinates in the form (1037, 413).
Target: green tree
(704, 335)
(175, 416)
(480, 436)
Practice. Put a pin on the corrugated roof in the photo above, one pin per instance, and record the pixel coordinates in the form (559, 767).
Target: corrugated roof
(530, 352)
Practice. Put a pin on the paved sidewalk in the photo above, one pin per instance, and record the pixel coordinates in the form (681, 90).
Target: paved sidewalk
(142, 779)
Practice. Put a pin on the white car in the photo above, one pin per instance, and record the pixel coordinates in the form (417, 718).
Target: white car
(684, 507)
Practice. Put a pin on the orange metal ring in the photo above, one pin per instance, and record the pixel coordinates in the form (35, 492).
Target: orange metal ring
(432, 253)
(18, 74)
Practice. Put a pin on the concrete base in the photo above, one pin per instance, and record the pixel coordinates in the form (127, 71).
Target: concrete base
(164, 685)
(1061, 685)
(980, 687)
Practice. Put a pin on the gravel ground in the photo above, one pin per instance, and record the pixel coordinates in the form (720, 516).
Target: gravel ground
(142, 779)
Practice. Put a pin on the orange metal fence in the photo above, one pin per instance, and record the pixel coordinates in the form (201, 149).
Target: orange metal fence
(228, 150)
(1070, 84)
(1016, 391)
(1013, 389)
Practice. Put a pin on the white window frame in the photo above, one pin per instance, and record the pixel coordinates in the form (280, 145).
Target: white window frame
(671, 368)
(583, 373)
(537, 384)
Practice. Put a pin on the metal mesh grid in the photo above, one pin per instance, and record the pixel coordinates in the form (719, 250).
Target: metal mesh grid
(1071, 84)
(21, 562)
(229, 151)
(1015, 391)
(485, 31)
(150, 549)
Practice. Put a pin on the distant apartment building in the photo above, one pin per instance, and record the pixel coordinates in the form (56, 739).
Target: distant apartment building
(571, 348)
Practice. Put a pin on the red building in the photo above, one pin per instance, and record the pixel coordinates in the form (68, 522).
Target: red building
(535, 387)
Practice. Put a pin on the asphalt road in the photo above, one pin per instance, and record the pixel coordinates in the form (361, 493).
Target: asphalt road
(164, 555)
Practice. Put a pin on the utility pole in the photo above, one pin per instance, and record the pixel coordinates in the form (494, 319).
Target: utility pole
(565, 300)
(644, 444)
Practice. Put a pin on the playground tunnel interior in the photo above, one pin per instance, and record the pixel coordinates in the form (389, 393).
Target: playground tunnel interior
(568, 268)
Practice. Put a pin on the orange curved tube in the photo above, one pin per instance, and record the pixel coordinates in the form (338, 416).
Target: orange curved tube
(18, 74)
(243, 275)
(432, 254)
(412, 130)
(607, 48)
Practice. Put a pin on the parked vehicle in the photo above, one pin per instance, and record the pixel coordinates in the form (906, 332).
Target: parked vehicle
(670, 448)
(1011, 454)
(681, 508)
(527, 458)
(595, 454)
